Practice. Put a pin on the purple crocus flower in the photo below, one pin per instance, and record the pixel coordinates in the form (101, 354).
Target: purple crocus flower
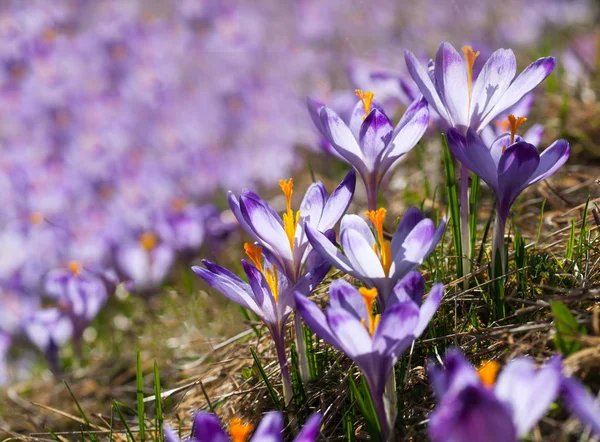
(181, 226)
(463, 101)
(370, 143)
(207, 428)
(285, 238)
(268, 294)
(581, 403)
(472, 406)
(378, 262)
(373, 341)
(49, 329)
(508, 166)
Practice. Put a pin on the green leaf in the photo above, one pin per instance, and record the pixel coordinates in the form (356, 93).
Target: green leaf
(264, 377)
(365, 403)
(158, 402)
(567, 328)
(453, 205)
(139, 383)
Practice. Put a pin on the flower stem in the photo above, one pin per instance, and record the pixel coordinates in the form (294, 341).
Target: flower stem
(465, 231)
(301, 349)
(498, 258)
(288, 392)
(380, 409)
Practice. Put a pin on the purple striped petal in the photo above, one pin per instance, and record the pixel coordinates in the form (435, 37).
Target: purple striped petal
(473, 153)
(270, 428)
(528, 391)
(329, 251)
(350, 333)
(207, 428)
(491, 84)
(411, 218)
(343, 295)
(551, 160)
(355, 222)
(310, 430)
(234, 204)
(312, 316)
(338, 202)
(456, 374)
(581, 403)
(451, 79)
(429, 307)
(421, 77)
(375, 135)
(361, 255)
(534, 134)
(410, 288)
(314, 109)
(396, 327)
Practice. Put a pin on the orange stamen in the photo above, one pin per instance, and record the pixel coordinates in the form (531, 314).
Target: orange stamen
(36, 218)
(382, 246)
(366, 98)
(290, 221)
(254, 252)
(515, 123)
(470, 56)
(369, 295)
(74, 267)
(239, 430)
(178, 204)
(148, 241)
(487, 372)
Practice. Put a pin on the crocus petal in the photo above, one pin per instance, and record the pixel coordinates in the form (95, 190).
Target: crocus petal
(411, 218)
(329, 251)
(343, 295)
(534, 134)
(499, 145)
(207, 428)
(350, 333)
(516, 166)
(375, 134)
(456, 374)
(491, 84)
(474, 414)
(410, 288)
(231, 287)
(414, 249)
(355, 222)
(473, 153)
(529, 392)
(314, 109)
(361, 254)
(551, 160)
(451, 79)
(407, 134)
(357, 117)
(397, 323)
(262, 294)
(533, 75)
(234, 204)
(162, 259)
(310, 430)
(170, 435)
(421, 77)
(338, 202)
(312, 316)
(266, 225)
(581, 403)
(342, 139)
(429, 307)
(313, 203)
(270, 428)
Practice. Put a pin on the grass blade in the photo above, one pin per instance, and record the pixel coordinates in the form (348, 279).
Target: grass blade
(263, 375)
(139, 386)
(92, 437)
(116, 406)
(158, 402)
(453, 205)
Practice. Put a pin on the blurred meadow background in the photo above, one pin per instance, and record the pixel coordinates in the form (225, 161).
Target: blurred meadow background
(123, 125)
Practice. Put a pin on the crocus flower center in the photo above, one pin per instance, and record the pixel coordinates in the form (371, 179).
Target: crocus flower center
(382, 246)
(178, 204)
(487, 373)
(366, 98)
(148, 241)
(74, 267)
(239, 430)
(290, 221)
(254, 252)
(369, 295)
(515, 123)
(470, 56)
(36, 218)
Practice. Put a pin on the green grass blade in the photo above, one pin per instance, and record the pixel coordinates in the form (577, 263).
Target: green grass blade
(263, 375)
(92, 437)
(139, 385)
(158, 402)
(116, 406)
(474, 208)
(541, 223)
(453, 205)
(567, 328)
(486, 231)
(365, 404)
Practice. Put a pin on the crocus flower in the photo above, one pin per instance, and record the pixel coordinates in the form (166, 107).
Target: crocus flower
(49, 329)
(508, 166)
(581, 403)
(464, 101)
(370, 143)
(268, 293)
(285, 238)
(472, 406)
(376, 261)
(207, 428)
(373, 341)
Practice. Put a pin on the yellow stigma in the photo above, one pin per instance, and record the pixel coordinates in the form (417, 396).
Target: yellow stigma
(255, 254)
(471, 56)
(515, 123)
(74, 267)
(369, 295)
(382, 246)
(366, 98)
(290, 221)
(239, 430)
(36, 218)
(148, 241)
(487, 372)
